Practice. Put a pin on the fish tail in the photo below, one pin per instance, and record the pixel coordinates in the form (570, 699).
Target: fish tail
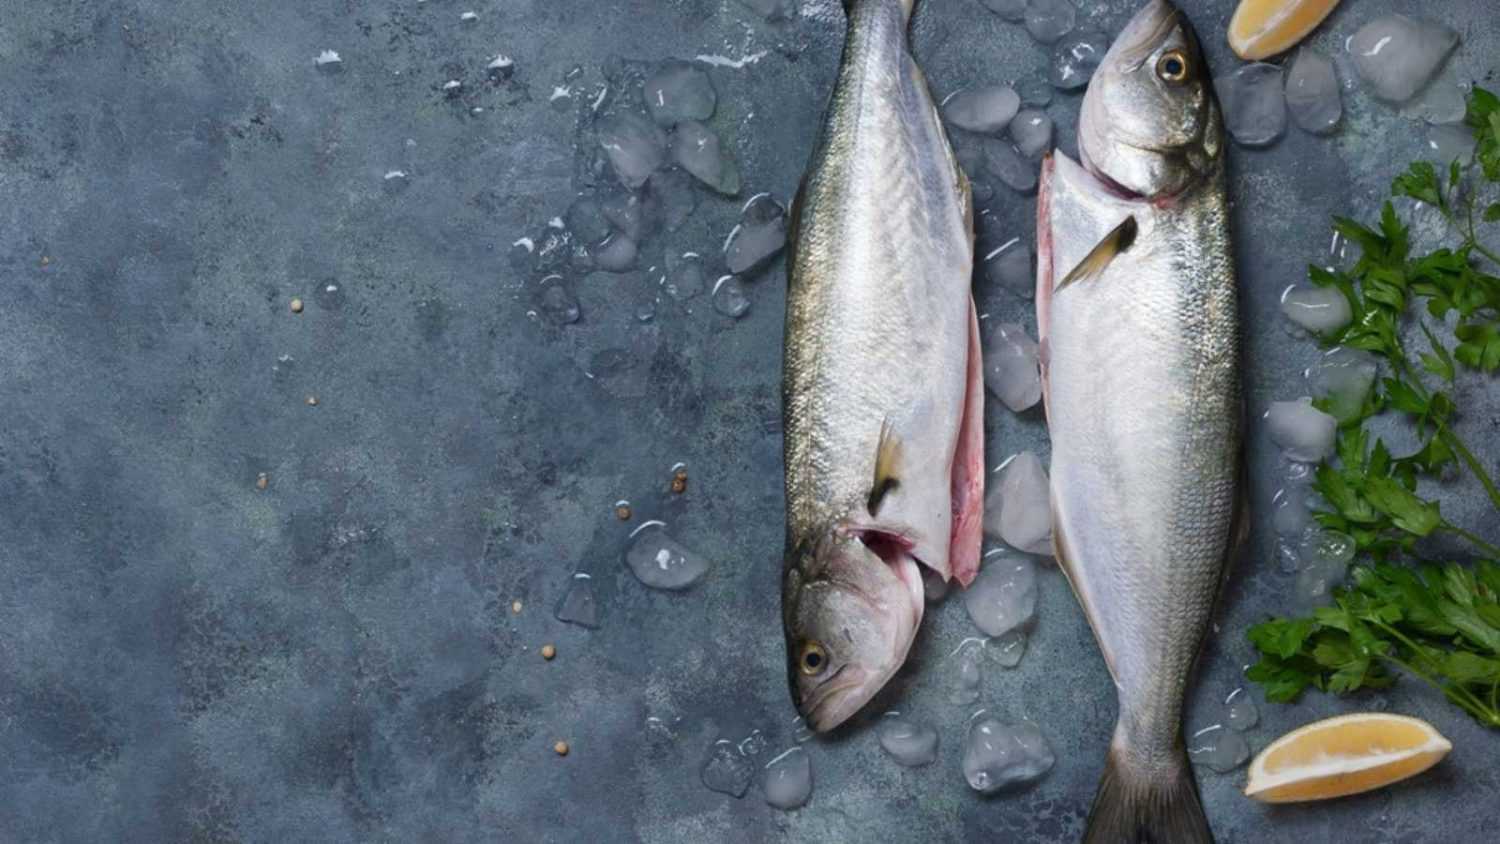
(906, 5)
(1157, 807)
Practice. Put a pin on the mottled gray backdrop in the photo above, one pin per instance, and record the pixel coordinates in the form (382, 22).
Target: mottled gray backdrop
(185, 657)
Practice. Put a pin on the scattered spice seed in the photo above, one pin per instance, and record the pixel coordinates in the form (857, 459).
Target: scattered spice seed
(312, 401)
(561, 748)
(46, 260)
(548, 652)
(679, 481)
(262, 481)
(622, 512)
(515, 607)
(296, 306)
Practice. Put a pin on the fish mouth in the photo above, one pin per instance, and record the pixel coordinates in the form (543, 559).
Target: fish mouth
(821, 709)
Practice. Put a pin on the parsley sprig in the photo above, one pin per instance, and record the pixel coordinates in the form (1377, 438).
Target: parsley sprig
(1439, 622)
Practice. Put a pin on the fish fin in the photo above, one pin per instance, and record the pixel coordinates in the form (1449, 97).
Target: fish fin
(967, 475)
(1044, 276)
(1132, 807)
(887, 466)
(1066, 561)
(794, 228)
(1119, 240)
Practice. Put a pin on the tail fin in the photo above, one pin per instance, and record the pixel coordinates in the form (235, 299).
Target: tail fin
(1132, 808)
(906, 6)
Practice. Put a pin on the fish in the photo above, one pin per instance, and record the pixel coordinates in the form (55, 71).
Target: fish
(1137, 314)
(882, 394)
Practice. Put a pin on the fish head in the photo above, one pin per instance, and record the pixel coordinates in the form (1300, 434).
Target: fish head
(850, 608)
(1150, 124)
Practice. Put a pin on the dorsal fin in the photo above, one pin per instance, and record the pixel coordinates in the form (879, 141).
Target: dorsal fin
(887, 466)
(1119, 240)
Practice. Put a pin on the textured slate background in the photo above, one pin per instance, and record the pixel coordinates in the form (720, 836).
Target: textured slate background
(186, 658)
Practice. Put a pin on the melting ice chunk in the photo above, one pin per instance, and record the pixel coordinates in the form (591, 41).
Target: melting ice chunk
(987, 109)
(1018, 510)
(1397, 56)
(1010, 367)
(788, 779)
(1003, 597)
(1312, 92)
(1009, 265)
(671, 190)
(1075, 58)
(1290, 515)
(760, 235)
(1034, 92)
(1005, 162)
(1242, 712)
(578, 605)
(1049, 20)
(964, 671)
(1444, 101)
(679, 91)
(1219, 749)
(615, 255)
(635, 146)
(1254, 101)
(997, 755)
(1010, 10)
(555, 302)
(684, 276)
(1324, 556)
(910, 742)
(1304, 433)
(697, 150)
(631, 214)
(1009, 648)
(1317, 309)
(1032, 132)
(1449, 143)
(661, 562)
(1342, 379)
(934, 587)
(727, 770)
(586, 220)
(729, 297)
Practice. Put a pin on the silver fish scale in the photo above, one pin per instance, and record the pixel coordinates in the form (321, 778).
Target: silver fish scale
(1145, 421)
(878, 299)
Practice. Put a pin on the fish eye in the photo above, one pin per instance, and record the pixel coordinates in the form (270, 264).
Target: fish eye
(1172, 66)
(813, 659)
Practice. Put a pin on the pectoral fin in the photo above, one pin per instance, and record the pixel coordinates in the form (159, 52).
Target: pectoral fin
(1119, 239)
(887, 466)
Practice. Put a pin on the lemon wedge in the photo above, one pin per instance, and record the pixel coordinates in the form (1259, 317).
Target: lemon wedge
(1262, 28)
(1344, 755)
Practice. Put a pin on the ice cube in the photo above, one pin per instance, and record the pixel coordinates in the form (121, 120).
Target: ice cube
(1318, 309)
(910, 742)
(578, 605)
(616, 254)
(1323, 557)
(684, 276)
(1008, 648)
(1009, 265)
(1254, 102)
(696, 149)
(1304, 433)
(997, 755)
(963, 672)
(1075, 57)
(329, 61)
(758, 238)
(635, 146)
(1018, 509)
(555, 302)
(1290, 515)
(788, 779)
(1010, 367)
(1034, 92)
(1010, 10)
(1442, 102)
(753, 744)
(934, 587)
(631, 214)
(1312, 92)
(729, 297)
(1449, 143)
(679, 91)
(727, 770)
(772, 10)
(1397, 55)
(586, 220)
(1032, 131)
(671, 190)
(1242, 714)
(1049, 20)
(1219, 749)
(1003, 597)
(661, 562)
(1342, 379)
(1005, 162)
(986, 109)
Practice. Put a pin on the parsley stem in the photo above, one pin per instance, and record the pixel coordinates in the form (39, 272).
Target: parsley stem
(1455, 692)
(1474, 465)
(1487, 548)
